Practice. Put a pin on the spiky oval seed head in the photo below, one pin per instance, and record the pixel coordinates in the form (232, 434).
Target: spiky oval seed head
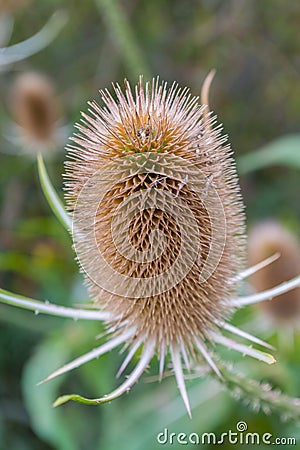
(154, 144)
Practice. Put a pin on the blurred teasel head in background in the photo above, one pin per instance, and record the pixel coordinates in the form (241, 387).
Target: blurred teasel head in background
(36, 111)
(266, 239)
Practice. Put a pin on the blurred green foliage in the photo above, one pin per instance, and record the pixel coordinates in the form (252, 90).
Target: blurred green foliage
(255, 48)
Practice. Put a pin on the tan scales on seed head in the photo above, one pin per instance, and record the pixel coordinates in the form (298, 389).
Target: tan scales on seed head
(158, 120)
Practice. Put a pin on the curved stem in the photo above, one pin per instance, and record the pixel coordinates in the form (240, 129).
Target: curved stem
(40, 40)
(52, 197)
(49, 308)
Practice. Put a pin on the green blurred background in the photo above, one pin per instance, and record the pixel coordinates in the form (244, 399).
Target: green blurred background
(255, 48)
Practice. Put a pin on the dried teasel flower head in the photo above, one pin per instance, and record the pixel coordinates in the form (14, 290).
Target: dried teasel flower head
(158, 227)
(35, 110)
(266, 239)
(161, 185)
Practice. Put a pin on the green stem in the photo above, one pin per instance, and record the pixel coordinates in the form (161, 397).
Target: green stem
(123, 35)
(51, 196)
(260, 396)
(49, 308)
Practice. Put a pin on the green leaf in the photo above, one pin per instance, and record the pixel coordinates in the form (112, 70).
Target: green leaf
(283, 151)
(52, 197)
(76, 398)
(50, 424)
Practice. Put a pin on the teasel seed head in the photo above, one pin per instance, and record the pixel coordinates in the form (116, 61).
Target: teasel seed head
(158, 226)
(35, 109)
(265, 239)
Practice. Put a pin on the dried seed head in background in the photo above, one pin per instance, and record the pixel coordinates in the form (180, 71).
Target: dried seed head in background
(266, 239)
(35, 109)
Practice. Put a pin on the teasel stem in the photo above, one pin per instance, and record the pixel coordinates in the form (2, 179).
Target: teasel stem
(51, 196)
(49, 308)
(123, 35)
(260, 396)
(36, 43)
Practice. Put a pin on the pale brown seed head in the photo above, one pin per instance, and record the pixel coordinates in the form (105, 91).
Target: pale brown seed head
(266, 239)
(154, 145)
(34, 106)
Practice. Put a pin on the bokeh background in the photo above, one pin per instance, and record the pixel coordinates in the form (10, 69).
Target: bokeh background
(255, 48)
